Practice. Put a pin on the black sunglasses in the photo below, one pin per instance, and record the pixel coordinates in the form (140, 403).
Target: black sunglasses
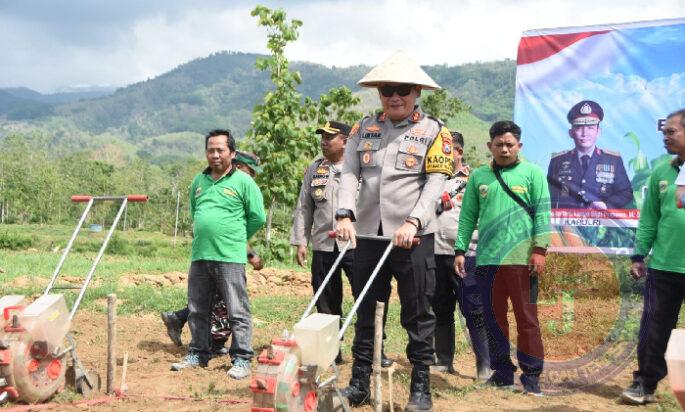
(402, 90)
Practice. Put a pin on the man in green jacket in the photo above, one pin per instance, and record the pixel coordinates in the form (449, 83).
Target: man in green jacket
(509, 201)
(227, 209)
(660, 230)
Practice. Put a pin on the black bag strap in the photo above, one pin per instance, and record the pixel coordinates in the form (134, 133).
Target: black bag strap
(517, 198)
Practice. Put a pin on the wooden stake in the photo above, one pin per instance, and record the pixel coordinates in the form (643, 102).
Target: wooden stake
(377, 346)
(124, 386)
(111, 341)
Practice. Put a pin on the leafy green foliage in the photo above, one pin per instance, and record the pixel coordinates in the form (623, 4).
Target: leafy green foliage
(283, 124)
(14, 241)
(442, 105)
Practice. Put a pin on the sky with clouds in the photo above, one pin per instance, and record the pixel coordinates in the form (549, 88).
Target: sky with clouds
(52, 45)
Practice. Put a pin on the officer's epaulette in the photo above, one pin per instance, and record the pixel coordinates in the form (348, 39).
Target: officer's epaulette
(557, 154)
(611, 152)
(440, 122)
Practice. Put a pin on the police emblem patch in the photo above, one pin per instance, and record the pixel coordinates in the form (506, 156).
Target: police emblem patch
(366, 158)
(412, 149)
(446, 143)
(368, 145)
(483, 190)
(322, 171)
(410, 161)
(373, 128)
(318, 193)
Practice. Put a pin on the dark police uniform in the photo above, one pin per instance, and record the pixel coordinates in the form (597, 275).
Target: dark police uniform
(604, 180)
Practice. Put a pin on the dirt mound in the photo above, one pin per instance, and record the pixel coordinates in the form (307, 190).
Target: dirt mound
(288, 282)
(161, 280)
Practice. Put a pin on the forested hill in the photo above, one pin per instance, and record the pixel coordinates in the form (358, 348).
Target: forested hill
(222, 89)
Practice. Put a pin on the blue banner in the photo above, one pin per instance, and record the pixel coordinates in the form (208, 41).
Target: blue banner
(591, 101)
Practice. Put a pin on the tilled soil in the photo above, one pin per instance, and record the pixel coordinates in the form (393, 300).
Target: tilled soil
(153, 387)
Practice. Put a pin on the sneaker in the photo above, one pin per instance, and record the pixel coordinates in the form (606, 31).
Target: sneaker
(637, 394)
(191, 360)
(241, 369)
(173, 327)
(498, 384)
(531, 386)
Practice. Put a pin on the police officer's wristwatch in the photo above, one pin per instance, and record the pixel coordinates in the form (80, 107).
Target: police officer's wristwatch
(414, 221)
(344, 213)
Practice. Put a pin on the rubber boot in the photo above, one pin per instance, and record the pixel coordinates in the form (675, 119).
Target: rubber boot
(358, 392)
(444, 347)
(479, 342)
(420, 394)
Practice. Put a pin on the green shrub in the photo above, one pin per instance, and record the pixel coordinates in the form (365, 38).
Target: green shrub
(15, 241)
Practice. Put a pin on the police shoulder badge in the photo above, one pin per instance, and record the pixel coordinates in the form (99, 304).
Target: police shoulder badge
(355, 128)
(439, 158)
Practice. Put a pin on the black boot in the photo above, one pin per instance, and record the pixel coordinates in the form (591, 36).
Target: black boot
(420, 393)
(479, 341)
(444, 347)
(385, 361)
(358, 393)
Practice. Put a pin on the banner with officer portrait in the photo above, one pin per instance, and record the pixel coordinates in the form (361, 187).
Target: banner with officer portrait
(591, 102)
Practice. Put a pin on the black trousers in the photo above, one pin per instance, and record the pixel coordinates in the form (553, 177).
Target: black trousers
(330, 301)
(663, 297)
(450, 290)
(414, 270)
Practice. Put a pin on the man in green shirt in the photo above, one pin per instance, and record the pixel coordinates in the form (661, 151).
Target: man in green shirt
(660, 230)
(227, 209)
(509, 201)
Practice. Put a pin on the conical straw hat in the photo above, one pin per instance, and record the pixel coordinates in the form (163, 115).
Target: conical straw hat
(398, 68)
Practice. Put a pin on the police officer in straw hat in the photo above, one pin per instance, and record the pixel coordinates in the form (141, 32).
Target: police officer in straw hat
(398, 161)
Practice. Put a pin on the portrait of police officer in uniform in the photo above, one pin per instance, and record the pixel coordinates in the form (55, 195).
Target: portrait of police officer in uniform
(587, 176)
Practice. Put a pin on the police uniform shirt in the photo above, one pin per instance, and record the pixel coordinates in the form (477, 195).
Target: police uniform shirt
(399, 170)
(314, 215)
(605, 180)
(448, 220)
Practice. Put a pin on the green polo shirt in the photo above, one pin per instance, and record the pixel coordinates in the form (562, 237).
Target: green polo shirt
(662, 224)
(506, 233)
(225, 213)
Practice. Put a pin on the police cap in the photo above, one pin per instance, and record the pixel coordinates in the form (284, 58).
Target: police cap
(585, 113)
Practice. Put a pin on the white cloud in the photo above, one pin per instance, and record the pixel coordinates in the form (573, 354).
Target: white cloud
(341, 33)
